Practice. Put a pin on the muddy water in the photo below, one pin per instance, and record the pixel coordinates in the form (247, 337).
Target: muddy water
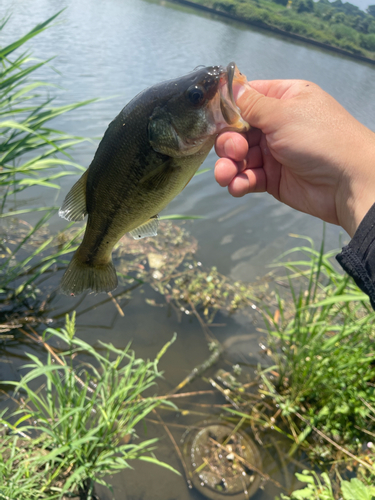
(113, 49)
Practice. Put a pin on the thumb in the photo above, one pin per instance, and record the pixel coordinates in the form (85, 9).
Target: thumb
(255, 107)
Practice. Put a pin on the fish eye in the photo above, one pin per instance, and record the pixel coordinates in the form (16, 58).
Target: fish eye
(195, 95)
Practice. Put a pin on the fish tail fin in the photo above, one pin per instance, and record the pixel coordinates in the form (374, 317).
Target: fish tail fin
(81, 276)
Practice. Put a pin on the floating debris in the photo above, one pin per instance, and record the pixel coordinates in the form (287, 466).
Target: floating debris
(169, 265)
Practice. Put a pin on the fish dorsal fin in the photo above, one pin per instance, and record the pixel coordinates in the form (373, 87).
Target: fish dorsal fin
(149, 228)
(74, 206)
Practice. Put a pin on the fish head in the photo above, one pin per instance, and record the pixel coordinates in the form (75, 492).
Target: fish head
(198, 106)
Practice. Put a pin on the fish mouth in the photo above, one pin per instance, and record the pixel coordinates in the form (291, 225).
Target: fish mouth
(228, 107)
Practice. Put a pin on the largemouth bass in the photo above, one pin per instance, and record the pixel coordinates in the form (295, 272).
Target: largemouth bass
(147, 156)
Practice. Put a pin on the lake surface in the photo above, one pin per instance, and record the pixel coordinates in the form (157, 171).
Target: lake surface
(113, 49)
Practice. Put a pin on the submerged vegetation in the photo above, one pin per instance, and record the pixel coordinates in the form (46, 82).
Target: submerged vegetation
(337, 24)
(314, 385)
(169, 264)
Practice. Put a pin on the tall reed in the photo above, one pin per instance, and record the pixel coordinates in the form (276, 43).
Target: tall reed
(322, 341)
(32, 153)
(316, 385)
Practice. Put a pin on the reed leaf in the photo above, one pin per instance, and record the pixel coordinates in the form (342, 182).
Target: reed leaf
(32, 155)
(323, 347)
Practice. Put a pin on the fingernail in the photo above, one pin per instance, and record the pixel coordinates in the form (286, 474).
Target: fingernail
(229, 148)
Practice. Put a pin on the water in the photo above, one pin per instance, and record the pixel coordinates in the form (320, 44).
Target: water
(113, 49)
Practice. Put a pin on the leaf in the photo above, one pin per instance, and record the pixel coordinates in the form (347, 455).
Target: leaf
(179, 217)
(304, 494)
(202, 171)
(356, 490)
(35, 31)
(336, 299)
(157, 462)
(27, 210)
(304, 478)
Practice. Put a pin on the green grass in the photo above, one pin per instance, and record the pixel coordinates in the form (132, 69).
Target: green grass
(32, 153)
(317, 382)
(321, 489)
(323, 347)
(76, 419)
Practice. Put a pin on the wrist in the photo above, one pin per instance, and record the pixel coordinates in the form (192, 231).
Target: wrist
(356, 195)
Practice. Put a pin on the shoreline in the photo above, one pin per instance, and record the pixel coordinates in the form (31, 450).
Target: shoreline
(274, 29)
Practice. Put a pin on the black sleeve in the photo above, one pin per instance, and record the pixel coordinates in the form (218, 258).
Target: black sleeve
(358, 258)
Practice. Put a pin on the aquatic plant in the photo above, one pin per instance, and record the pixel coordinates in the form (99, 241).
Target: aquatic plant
(169, 264)
(316, 382)
(32, 153)
(321, 489)
(75, 418)
(321, 339)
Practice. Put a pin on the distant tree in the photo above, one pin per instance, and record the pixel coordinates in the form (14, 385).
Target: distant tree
(360, 24)
(340, 17)
(321, 7)
(368, 42)
(337, 4)
(343, 32)
(371, 10)
(225, 5)
(352, 10)
(327, 16)
(303, 5)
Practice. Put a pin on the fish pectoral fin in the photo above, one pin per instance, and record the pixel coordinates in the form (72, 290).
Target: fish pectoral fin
(149, 228)
(159, 176)
(74, 206)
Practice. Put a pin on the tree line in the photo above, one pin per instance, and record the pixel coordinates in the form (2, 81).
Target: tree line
(340, 24)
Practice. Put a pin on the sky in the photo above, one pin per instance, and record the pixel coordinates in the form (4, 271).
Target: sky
(362, 4)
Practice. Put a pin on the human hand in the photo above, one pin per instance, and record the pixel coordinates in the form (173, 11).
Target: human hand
(303, 148)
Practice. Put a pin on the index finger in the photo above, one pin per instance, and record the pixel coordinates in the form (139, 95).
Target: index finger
(231, 145)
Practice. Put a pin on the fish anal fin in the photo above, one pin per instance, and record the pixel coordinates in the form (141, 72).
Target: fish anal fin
(149, 228)
(74, 206)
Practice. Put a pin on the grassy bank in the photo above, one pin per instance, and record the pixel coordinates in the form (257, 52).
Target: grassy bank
(316, 382)
(77, 426)
(339, 25)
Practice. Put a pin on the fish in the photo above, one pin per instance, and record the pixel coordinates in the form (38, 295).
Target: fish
(147, 156)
